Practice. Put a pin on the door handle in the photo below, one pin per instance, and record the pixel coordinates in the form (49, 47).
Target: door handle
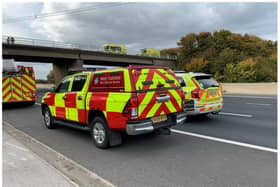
(163, 98)
(64, 97)
(80, 97)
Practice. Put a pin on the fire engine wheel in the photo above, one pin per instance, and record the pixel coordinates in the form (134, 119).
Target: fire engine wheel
(48, 119)
(99, 132)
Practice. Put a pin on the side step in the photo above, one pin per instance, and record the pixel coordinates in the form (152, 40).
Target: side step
(72, 124)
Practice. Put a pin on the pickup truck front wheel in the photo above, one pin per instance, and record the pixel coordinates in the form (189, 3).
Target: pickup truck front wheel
(99, 132)
(48, 119)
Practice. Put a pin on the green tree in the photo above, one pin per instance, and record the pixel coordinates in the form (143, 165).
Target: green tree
(266, 69)
(197, 65)
(253, 57)
(247, 70)
(188, 45)
(231, 73)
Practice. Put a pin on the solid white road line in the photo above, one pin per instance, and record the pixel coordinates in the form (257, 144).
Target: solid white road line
(226, 141)
(37, 103)
(262, 104)
(251, 96)
(234, 114)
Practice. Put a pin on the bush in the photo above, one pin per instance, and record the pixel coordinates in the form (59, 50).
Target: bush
(231, 57)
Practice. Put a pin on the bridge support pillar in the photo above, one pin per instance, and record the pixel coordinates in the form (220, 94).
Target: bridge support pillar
(60, 69)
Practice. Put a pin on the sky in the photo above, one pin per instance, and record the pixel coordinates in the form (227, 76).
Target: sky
(137, 25)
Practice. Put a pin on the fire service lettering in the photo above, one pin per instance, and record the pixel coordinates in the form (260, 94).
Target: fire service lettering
(110, 80)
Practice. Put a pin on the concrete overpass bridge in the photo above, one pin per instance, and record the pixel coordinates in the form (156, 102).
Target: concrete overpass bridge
(65, 56)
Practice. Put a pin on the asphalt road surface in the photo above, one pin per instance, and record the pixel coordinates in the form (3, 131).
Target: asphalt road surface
(178, 159)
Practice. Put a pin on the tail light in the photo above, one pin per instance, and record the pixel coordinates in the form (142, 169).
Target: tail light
(131, 109)
(196, 93)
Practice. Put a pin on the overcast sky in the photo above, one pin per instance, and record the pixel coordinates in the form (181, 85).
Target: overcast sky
(137, 25)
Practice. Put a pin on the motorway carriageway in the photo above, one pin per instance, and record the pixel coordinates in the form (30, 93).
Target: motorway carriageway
(235, 148)
(244, 119)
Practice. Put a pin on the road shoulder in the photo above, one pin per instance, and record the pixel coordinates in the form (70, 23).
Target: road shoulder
(21, 167)
(70, 172)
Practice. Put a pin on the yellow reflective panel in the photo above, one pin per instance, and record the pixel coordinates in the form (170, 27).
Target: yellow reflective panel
(116, 101)
(142, 77)
(170, 106)
(52, 110)
(15, 82)
(80, 100)
(30, 85)
(7, 97)
(88, 100)
(153, 110)
(4, 83)
(177, 97)
(58, 100)
(127, 81)
(72, 114)
(17, 98)
(147, 99)
(6, 90)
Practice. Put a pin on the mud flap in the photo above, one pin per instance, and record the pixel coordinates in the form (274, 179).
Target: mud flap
(163, 131)
(115, 138)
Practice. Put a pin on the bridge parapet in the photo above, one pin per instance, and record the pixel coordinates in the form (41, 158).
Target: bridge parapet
(56, 44)
(64, 56)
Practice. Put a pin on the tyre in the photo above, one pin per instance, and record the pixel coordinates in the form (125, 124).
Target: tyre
(99, 132)
(48, 120)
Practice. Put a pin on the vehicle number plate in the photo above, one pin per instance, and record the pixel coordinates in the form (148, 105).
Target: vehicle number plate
(212, 93)
(158, 119)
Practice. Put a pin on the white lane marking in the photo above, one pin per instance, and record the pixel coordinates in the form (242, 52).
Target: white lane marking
(234, 114)
(15, 146)
(250, 96)
(37, 103)
(262, 104)
(226, 141)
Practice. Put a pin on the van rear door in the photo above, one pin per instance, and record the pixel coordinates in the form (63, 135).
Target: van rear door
(158, 91)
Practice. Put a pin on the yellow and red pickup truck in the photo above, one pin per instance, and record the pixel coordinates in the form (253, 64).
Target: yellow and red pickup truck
(135, 100)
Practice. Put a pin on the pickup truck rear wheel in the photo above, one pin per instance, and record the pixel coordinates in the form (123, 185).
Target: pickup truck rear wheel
(99, 132)
(48, 119)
